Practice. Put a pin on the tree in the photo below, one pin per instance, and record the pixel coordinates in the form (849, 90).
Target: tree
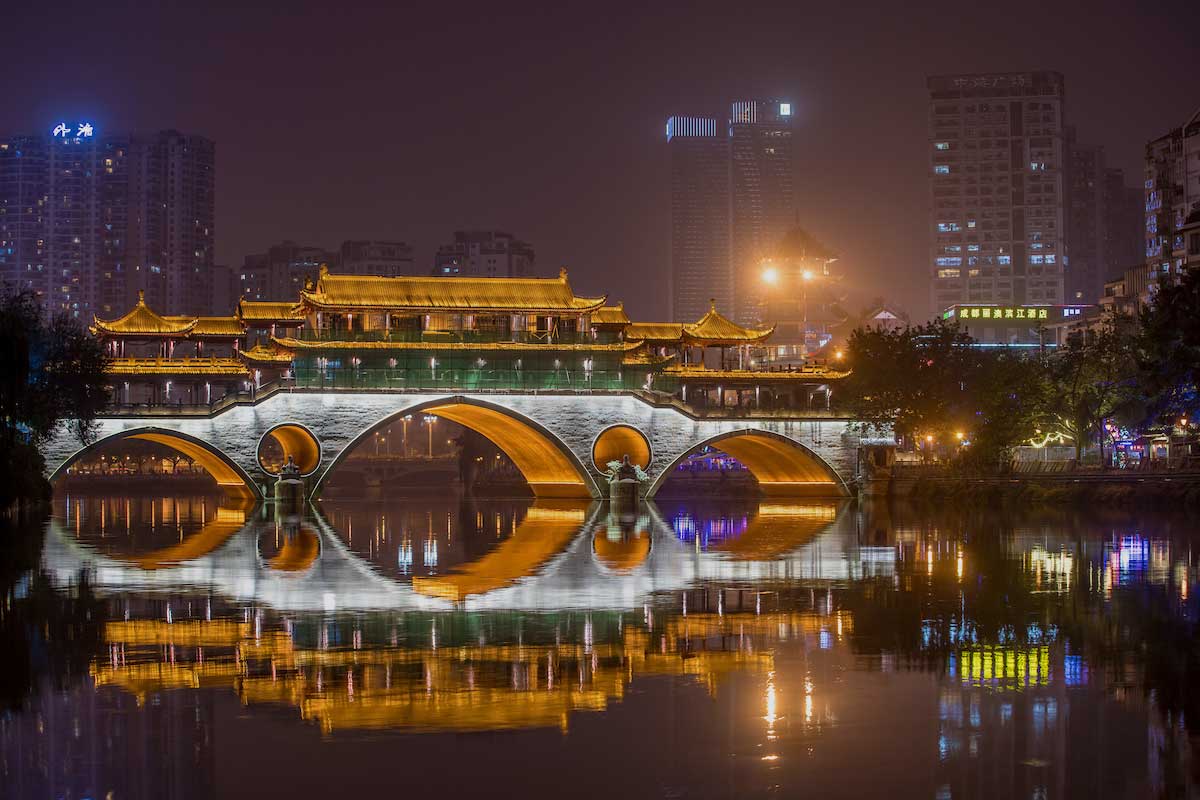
(1167, 349)
(1008, 394)
(51, 371)
(913, 381)
(1090, 379)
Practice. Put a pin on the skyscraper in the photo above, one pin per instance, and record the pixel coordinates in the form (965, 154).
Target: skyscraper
(280, 272)
(763, 199)
(998, 200)
(172, 184)
(485, 254)
(89, 219)
(1103, 222)
(64, 215)
(375, 257)
(701, 266)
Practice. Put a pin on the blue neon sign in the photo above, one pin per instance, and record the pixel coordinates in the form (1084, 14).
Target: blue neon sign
(79, 130)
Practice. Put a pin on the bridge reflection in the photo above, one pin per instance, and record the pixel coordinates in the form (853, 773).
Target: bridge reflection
(543, 554)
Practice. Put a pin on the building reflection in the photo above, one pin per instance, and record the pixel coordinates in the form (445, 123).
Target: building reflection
(445, 672)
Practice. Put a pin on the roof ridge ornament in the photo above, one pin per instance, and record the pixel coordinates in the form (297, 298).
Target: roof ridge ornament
(562, 274)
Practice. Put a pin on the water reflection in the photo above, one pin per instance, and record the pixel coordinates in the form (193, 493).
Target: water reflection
(755, 648)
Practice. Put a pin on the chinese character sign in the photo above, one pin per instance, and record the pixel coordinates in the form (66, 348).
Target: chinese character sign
(1010, 313)
(79, 130)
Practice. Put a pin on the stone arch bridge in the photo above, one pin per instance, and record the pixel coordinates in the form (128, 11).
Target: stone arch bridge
(559, 442)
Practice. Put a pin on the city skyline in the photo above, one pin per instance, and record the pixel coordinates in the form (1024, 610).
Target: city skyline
(357, 169)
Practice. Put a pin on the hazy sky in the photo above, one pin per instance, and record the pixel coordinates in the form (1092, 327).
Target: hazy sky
(408, 122)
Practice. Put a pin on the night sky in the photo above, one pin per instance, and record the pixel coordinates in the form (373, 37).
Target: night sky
(407, 123)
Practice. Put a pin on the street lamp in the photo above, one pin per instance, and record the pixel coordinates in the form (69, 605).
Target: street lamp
(770, 275)
(429, 423)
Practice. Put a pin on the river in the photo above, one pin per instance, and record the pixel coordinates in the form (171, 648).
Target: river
(182, 646)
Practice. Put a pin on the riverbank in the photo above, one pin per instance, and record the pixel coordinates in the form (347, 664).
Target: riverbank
(1111, 490)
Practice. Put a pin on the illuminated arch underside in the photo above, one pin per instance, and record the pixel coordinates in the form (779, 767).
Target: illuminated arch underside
(297, 554)
(778, 529)
(546, 530)
(545, 467)
(617, 442)
(298, 443)
(781, 468)
(225, 475)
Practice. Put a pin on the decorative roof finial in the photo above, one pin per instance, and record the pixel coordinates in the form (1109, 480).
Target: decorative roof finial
(712, 304)
(562, 273)
(141, 297)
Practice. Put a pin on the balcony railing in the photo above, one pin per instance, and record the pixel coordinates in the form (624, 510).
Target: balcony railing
(463, 337)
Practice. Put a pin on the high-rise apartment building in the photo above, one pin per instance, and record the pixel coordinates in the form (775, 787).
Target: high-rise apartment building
(701, 264)
(172, 184)
(1172, 200)
(1104, 222)
(372, 257)
(485, 254)
(87, 220)
(762, 195)
(281, 272)
(997, 160)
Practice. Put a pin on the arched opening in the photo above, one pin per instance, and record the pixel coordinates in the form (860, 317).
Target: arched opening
(547, 465)
(617, 441)
(780, 467)
(230, 477)
(289, 440)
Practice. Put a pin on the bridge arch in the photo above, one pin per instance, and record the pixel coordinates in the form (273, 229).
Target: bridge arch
(225, 471)
(295, 440)
(550, 467)
(782, 466)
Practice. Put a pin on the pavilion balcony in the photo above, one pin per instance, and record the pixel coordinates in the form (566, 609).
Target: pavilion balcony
(464, 337)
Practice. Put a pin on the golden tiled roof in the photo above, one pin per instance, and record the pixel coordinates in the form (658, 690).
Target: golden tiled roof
(141, 321)
(714, 329)
(271, 355)
(177, 366)
(262, 311)
(610, 315)
(654, 332)
(218, 326)
(301, 344)
(446, 294)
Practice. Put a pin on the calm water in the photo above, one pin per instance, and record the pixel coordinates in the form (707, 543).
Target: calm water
(179, 647)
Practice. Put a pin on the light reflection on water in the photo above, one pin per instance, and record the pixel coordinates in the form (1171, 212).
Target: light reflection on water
(703, 649)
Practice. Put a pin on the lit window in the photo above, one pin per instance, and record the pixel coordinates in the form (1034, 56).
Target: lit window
(1036, 259)
(942, 145)
(947, 227)
(1005, 259)
(949, 273)
(974, 248)
(949, 261)
(1050, 258)
(942, 169)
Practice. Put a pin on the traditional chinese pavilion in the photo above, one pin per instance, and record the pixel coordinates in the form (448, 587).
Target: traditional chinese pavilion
(439, 333)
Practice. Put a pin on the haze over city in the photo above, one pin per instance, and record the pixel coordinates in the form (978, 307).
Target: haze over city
(548, 122)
